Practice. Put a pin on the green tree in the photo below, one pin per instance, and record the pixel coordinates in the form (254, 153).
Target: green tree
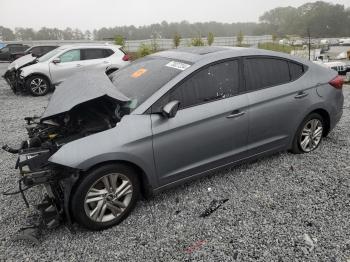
(240, 38)
(6, 34)
(176, 40)
(144, 50)
(210, 38)
(274, 38)
(119, 40)
(197, 41)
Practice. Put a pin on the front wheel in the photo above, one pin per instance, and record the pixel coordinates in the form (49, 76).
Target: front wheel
(38, 85)
(105, 196)
(309, 134)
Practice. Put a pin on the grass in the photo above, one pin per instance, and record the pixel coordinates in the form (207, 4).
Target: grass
(277, 47)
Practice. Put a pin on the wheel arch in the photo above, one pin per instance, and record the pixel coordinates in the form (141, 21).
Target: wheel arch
(110, 70)
(146, 188)
(326, 117)
(39, 74)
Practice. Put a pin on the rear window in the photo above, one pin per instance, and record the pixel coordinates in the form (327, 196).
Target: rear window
(95, 53)
(145, 76)
(264, 72)
(296, 70)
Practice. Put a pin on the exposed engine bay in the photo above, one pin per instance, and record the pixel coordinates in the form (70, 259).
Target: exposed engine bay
(47, 134)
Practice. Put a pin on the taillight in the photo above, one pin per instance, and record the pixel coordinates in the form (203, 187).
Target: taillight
(126, 58)
(337, 82)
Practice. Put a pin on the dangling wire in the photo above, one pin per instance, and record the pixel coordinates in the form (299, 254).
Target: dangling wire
(20, 191)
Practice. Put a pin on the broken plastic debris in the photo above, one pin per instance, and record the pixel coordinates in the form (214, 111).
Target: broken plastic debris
(31, 234)
(195, 246)
(209, 189)
(308, 241)
(214, 205)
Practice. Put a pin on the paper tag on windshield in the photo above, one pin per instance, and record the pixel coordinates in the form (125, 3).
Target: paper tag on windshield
(178, 65)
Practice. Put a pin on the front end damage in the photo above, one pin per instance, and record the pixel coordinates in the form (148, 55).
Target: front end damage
(82, 114)
(13, 73)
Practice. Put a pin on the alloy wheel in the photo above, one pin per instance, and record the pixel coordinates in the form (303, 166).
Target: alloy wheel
(108, 197)
(311, 135)
(38, 86)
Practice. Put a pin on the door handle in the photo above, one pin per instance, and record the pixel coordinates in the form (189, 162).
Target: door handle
(236, 113)
(301, 95)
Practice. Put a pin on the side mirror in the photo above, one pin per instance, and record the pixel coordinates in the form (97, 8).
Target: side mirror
(170, 109)
(57, 60)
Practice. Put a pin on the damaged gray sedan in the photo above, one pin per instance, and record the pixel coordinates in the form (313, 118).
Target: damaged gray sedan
(172, 116)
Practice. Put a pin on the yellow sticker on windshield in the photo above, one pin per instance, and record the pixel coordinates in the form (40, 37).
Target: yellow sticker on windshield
(139, 72)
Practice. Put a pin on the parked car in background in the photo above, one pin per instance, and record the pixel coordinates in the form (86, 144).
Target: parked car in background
(2, 45)
(344, 41)
(337, 66)
(39, 75)
(168, 118)
(36, 51)
(8, 51)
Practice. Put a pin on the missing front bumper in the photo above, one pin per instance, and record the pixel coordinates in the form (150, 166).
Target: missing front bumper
(14, 80)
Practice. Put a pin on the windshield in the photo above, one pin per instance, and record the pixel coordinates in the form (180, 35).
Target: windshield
(49, 55)
(145, 76)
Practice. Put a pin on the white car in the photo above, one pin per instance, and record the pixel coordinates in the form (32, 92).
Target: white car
(38, 76)
(344, 41)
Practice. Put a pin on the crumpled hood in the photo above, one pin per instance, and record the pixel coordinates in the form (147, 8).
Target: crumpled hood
(80, 88)
(22, 61)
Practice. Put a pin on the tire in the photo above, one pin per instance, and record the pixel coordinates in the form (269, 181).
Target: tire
(312, 126)
(37, 85)
(104, 209)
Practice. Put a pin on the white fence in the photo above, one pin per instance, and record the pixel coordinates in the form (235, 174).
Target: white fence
(133, 45)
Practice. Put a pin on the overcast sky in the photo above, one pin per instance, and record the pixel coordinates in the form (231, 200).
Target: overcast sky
(91, 14)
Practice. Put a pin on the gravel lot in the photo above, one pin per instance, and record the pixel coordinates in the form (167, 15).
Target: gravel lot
(281, 208)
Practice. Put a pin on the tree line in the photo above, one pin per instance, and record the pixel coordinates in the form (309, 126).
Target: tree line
(322, 19)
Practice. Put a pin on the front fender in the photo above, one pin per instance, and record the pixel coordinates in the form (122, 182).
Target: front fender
(130, 140)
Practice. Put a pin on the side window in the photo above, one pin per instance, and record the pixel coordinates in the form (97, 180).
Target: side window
(5, 50)
(211, 83)
(94, 53)
(261, 72)
(108, 52)
(70, 56)
(296, 70)
(35, 50)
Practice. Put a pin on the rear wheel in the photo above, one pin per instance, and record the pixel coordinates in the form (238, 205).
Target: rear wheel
(309, 134)
(105, 197)
(38, 85)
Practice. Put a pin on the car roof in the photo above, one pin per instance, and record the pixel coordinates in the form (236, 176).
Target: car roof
(196, 54)
(46, 45)
(64, 47)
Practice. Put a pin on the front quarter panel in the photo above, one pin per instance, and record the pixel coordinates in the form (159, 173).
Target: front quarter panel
(38, 68)
(130, 140)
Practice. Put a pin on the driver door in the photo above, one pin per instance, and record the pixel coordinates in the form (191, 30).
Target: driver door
(70, 63)
(210, 128)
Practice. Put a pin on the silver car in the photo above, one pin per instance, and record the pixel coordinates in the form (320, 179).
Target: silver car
(39, 75)
(167, 118)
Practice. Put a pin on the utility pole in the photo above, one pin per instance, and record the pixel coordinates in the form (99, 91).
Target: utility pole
(308, 33)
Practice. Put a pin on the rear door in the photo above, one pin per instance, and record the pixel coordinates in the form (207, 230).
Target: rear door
(277, 99)
(70, 64)
(209, 130)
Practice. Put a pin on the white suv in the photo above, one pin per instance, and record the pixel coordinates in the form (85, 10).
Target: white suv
(59, 64)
